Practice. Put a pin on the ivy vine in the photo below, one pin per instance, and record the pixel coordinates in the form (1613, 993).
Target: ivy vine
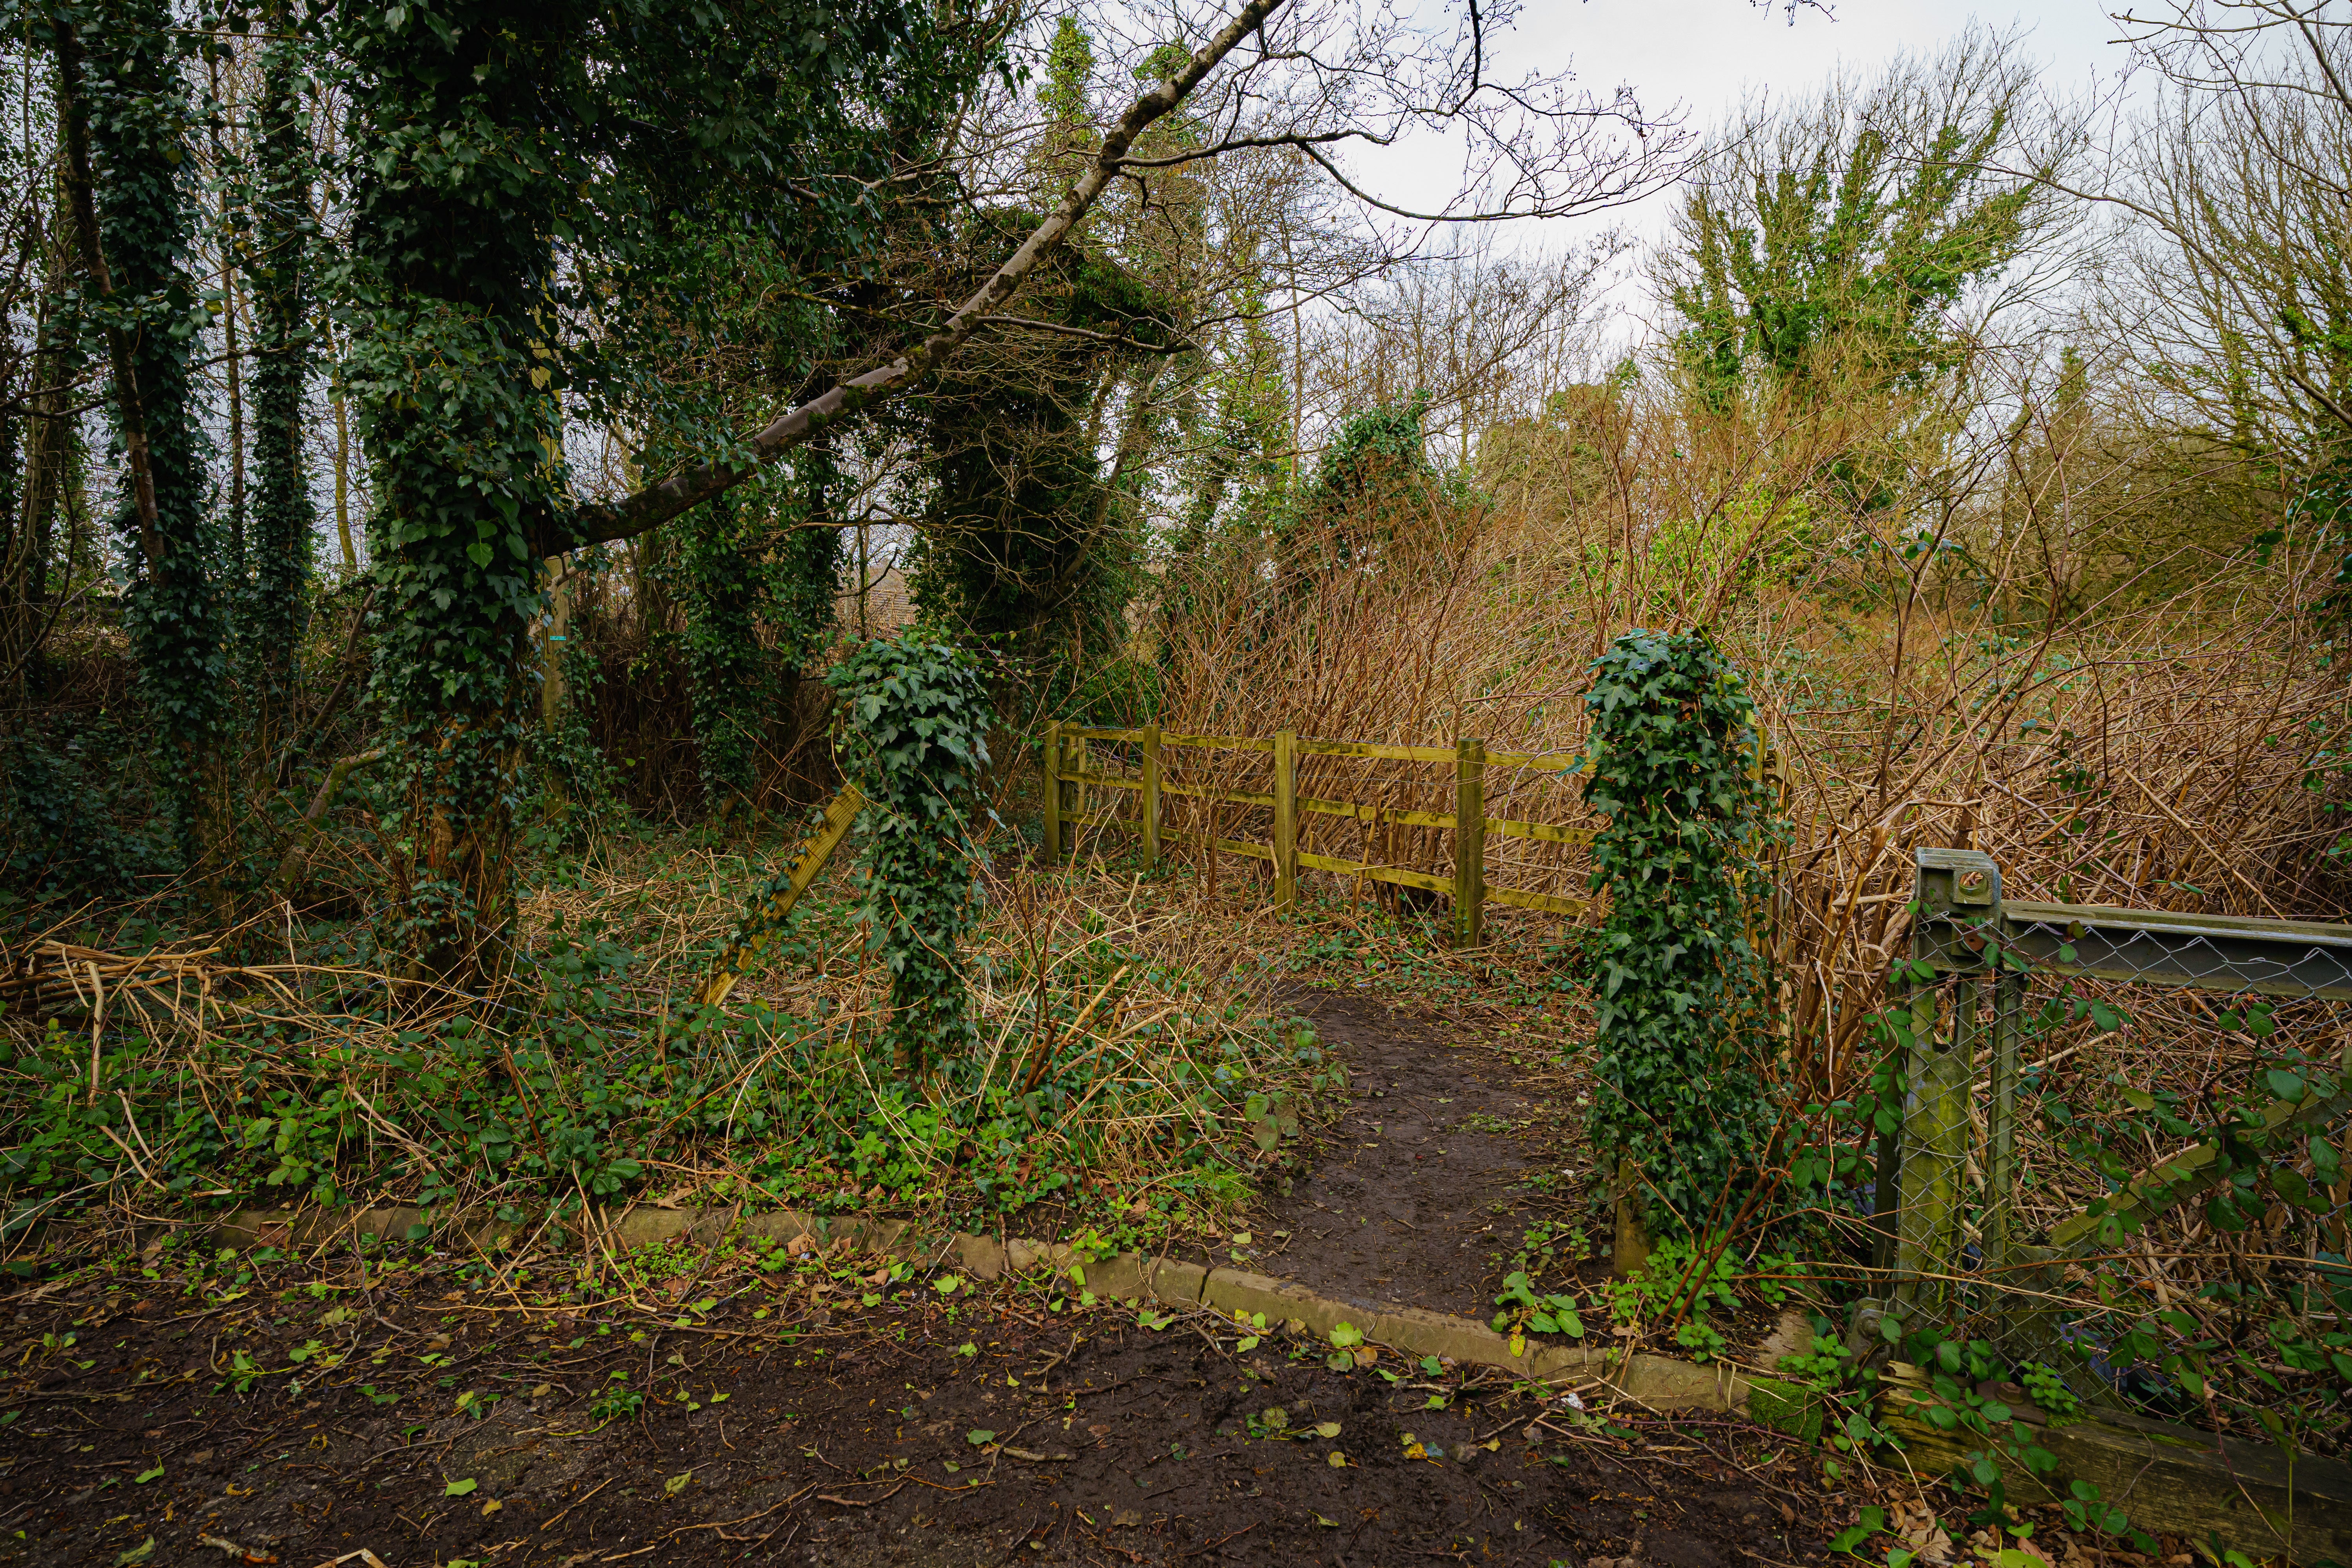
(914, 739)
(1680, 992)
(278, 262)
(137, 114)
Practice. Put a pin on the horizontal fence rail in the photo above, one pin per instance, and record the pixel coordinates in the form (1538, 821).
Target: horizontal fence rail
(1067, 766)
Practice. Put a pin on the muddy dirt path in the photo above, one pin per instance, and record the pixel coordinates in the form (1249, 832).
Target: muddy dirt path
(432, 1424)
(1420, 1194)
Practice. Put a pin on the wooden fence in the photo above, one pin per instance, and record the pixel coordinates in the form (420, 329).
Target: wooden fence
(1065, 765)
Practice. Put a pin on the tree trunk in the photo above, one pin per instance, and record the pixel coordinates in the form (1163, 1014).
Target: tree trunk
(123, 108)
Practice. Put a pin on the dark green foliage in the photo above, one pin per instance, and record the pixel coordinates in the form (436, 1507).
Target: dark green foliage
(1681, 999)
(137, 114)
(760, 555)
(1023, 544)
(914, 739)
(487, 133)
(278, 263)
(62, 806)
(723, 657)
(455, 203)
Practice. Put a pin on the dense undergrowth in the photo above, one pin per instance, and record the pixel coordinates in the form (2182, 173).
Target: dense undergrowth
(1125, 1070)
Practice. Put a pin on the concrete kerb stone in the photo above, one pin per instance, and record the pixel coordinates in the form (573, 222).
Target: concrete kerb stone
(1656, 1382)
(1234, 1292)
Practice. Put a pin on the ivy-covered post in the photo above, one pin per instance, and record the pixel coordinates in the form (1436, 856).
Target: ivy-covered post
(914, 739)
(1684, 1009)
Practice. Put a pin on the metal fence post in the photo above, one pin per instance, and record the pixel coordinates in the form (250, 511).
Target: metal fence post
(1151, 795)
(1286, 820)
(1469, 841)
(1935, 1148)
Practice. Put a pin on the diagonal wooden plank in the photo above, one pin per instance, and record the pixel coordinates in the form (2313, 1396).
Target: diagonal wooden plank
(773, 904)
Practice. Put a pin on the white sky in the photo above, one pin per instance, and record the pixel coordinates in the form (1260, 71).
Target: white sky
(1705, 55)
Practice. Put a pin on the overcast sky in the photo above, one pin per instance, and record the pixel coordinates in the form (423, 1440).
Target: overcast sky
(1705, 55)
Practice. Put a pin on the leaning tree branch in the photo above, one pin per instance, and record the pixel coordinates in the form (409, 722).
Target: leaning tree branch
(599, 523)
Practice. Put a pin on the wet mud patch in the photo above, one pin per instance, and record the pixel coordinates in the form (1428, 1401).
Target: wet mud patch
(1422, 1192)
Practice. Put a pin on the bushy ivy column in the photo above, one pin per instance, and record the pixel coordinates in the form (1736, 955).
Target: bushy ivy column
(278, 263)
(914, 739)
(462, 135)
(1681, 994)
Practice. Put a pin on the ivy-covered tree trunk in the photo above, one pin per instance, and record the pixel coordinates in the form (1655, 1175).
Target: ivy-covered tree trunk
(454, 203)
(742, 567)
(725, 666)
(914, 739)
(278, 265)
(126, 115)
(48, 440)
(1681, 1003)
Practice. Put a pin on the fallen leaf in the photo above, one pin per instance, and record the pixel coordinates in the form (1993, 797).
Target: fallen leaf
(1337, 1460)
(142, 1478)
(493, 1506)
(1327, 1429)
(677, 1483)
(139, 1554)
(980, 1437)
(459, 1489)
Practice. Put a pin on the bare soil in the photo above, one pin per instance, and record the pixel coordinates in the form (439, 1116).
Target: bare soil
(1417, 1195)
(914, 1431)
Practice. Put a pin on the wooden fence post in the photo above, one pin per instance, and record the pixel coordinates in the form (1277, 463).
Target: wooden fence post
(1214, 803)
(1151, 795)
(1050, 789)
(1469, 841)
(1286, 820)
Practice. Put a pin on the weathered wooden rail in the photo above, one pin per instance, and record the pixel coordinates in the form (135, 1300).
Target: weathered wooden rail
(1468, 887)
